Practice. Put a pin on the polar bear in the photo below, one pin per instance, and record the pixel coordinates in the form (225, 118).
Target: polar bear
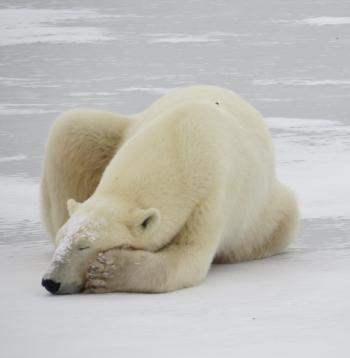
(145, 203)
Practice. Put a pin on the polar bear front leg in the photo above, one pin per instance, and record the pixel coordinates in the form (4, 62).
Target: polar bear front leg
(183, 263)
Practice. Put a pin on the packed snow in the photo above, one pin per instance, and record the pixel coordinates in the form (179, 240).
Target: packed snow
(327, 20)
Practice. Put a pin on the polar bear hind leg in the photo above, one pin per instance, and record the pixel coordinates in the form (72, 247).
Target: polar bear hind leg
(272, 232)
(284, 231)
(81, 143)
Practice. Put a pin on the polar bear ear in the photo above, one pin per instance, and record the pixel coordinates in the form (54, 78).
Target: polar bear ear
(146, 219)
(72, 206)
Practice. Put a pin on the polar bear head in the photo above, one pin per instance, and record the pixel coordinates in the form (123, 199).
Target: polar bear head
(96, 225)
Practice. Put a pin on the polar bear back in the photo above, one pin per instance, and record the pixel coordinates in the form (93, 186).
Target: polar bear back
(188, 144)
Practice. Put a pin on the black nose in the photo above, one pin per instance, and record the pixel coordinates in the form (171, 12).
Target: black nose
(51, 285)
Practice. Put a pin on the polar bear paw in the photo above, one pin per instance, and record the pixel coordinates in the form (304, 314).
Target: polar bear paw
(102, 274)
(125, 270)
(98, 272)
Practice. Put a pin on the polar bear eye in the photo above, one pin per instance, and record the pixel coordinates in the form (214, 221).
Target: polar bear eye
(83, 248)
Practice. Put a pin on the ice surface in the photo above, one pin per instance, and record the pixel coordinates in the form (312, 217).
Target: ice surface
(26, 26)
(302, 82)
(18, 157)
(181, 38)
(312, 156)
(327, 20)
(19, 199)
(290, 60)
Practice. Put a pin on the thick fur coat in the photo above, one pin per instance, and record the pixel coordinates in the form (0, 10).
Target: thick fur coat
(156, 197)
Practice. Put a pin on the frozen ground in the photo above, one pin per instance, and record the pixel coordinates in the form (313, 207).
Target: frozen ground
(288, 58)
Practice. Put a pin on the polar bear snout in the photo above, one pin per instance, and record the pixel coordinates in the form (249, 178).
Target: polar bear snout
(57, 287)
(66, 273)
(51, 285)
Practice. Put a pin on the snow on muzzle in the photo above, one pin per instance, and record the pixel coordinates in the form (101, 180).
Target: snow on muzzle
(68, 267)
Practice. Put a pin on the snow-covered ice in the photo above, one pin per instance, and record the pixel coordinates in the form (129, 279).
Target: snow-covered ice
(327, 20)
(290, 60)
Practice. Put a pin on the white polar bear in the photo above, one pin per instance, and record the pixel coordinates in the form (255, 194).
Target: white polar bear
(164, 193)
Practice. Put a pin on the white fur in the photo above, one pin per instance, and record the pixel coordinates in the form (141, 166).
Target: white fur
(198, 164)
